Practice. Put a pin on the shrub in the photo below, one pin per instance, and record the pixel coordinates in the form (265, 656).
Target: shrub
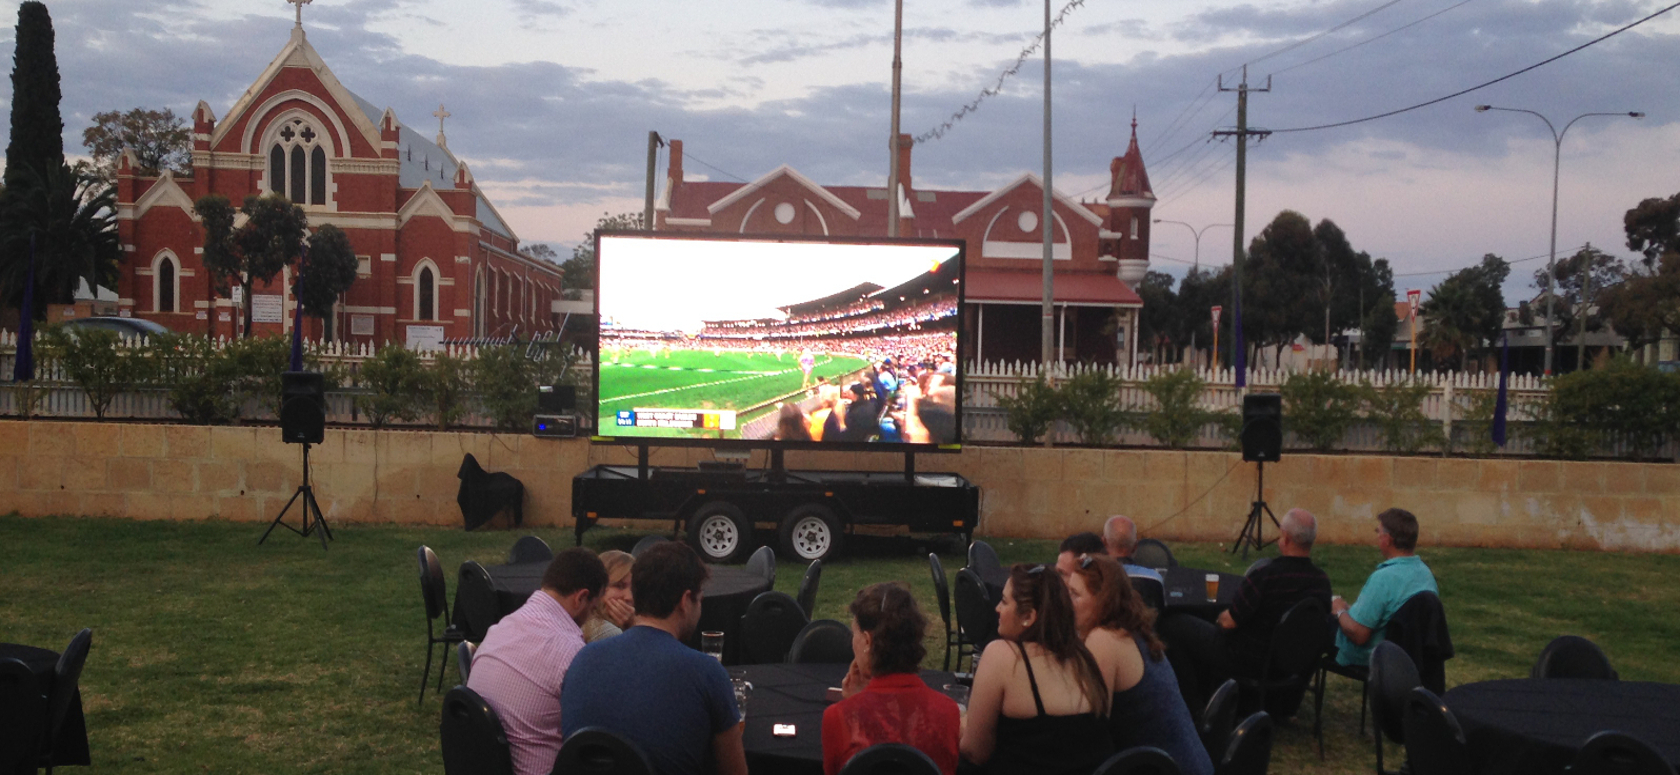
(97, 361)
(1319, 408)
(200, 380)
(507, 384)
(447, 384)
(1397, 411)
(1556, 433)
(1030, 412)
(253, 366)
(1623, 402)
(1091, 404)
(1178, 415)
(396, 379)
(1473, 427)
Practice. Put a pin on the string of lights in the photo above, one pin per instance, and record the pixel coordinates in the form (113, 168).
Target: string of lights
(974, 105)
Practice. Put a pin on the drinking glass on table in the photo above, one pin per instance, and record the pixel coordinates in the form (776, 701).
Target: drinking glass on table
(711, 642)
(959, 693)
(743, 690)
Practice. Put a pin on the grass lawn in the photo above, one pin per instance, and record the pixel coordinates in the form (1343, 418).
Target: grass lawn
(214, 654)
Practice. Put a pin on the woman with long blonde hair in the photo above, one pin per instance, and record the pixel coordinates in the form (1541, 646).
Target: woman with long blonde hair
(615, 606)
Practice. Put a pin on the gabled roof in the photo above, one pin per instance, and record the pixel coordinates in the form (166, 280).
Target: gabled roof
(298, 53)
(167, 193)
(1081, 210)
(748, 189)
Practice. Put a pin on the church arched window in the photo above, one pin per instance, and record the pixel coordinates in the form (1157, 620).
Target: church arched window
(425, 293)
(297, 162)
(165, 284)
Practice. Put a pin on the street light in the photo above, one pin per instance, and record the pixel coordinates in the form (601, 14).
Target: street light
(1198, 233)
(1557, 156)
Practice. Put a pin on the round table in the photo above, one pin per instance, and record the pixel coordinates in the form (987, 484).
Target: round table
(1538, 725)
(797, 695)
(1187, 591)
(71, 747)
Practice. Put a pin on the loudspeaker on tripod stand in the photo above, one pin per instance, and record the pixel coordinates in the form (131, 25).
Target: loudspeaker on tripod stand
(1262, 427)
(303, 407)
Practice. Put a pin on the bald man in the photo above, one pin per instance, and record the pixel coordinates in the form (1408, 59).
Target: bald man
(1205, 653)
(1120, 538)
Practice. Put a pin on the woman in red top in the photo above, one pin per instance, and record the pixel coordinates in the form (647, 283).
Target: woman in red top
(885, 698)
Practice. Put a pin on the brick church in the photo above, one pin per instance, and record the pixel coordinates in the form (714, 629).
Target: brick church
(436, 261)
(1100, 249)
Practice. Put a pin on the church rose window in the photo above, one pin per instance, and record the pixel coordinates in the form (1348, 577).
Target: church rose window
(297, 163)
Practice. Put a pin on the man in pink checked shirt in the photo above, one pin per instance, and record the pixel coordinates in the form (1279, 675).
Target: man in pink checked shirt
(523, 660)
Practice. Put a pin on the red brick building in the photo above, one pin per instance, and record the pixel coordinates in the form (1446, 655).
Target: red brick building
(1100, 248)
(436, 259)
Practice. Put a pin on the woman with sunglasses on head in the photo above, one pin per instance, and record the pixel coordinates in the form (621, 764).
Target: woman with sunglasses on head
(1039, 703)
(1119, 630)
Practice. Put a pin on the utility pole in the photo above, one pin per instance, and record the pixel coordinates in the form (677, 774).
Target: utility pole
(892, 143)
(654, 144)
(1048, 322)
(1239, 359)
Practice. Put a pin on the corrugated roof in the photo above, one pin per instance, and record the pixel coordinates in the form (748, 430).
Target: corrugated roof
(421, 161)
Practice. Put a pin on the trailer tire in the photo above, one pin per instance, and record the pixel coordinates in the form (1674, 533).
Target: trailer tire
(720, 532)
(810, 532)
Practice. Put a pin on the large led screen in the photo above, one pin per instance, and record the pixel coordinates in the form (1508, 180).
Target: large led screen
(767, 342)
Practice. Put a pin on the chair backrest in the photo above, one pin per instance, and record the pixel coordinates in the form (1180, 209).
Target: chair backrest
(822, 641)
(1142, 760)
(763, 563)
(67, 678)
(1248, 751)
(431, 584)
(1617, 753)
(975, 612)
(644, 544)
(1572, 656)
(890, 759)
(599, 751)
(1257, 565)
(772, 621)
(472, 736)
(1302, 635)
(1390, 682)
(22, 709)
(984, 560)
(1420, 627)
(941, 589)
(808, 588)
(1434, 741)
(464, 652)
(1219, 718)
(475, 597)
(1150, 588)
(1151, 553)
(529, 549)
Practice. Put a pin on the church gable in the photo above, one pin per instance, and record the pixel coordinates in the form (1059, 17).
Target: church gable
(298, 79)
(166, 193)
(796, 199)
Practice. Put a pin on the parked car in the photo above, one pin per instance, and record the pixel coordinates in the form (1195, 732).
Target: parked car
(127, 328)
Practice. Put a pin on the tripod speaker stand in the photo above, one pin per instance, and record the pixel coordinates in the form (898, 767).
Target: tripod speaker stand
(1257, 513)
(1262, 442)
(303, 420)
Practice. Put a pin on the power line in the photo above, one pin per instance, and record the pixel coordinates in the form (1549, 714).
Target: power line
(1513, 261)
(1477, 87)
(1305, 41)
(974, 104)
(1346, 49)
(714, 169)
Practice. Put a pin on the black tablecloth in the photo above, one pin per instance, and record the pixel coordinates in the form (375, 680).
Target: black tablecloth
(1538, 725)
(1187, 591)
(71, 747)
(797, 695)
(727, 594)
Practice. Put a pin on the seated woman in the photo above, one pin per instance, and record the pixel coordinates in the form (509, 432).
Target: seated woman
(885, 698)
(615, 606)
(1120, 633)
(1039, 704)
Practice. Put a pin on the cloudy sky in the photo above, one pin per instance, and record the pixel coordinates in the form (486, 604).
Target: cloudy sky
(553, 99)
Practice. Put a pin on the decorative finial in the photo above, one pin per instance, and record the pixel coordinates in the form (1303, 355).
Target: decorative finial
(441, 113)
(300, 4)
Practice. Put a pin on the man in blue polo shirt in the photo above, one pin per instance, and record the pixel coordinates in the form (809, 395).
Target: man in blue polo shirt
(672, 701)
(1400, 575)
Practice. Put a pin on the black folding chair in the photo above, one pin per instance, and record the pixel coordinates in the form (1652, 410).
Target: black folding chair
(529, 549)
(472, 736)
(1297, 645)
(808, 588)
(772, 621)
(1434, 740)
(822, 641)
(599, 751)
(1392, 679)
(1616, 753)
(644, 544)
(890, 759)
(437, 605)
(1249, 749)
(23, 708)
(954, 639)
(977, 619)
(1142, 760)
(983, 560)
(1151, 553)
(1257, 565)
(763, 563)
(1219, 719)
(1151, 588)
(67, 679)
(463, 659)
(475, 601)
(1572, 656)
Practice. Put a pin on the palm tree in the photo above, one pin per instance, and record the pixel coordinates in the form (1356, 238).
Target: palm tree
(73, 220)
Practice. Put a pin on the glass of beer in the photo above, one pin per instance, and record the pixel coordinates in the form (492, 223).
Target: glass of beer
(711, 642)
(1213, 587)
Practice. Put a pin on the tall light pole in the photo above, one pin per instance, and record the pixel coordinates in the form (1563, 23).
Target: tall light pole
(1198, 233)
(1047, 307)
(1557, 157)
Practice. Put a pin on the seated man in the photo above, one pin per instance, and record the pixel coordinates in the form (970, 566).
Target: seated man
(1075, 546)
(1204, 654)
(522, 662)
(672, 701)
(1401, 574)
(1120, 538)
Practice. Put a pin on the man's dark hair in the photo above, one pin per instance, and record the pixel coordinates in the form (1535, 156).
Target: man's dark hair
(1402, 527)
(662, 574)
(574, 569)
(1083, 543)
(888, 612)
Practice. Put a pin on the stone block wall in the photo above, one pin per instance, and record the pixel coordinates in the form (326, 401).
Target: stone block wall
(146, 471)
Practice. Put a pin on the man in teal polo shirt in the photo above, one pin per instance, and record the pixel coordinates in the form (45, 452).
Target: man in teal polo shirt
(1400, 575)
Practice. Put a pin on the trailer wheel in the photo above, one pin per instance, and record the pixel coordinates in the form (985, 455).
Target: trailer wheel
(810, 532)
(719, 532)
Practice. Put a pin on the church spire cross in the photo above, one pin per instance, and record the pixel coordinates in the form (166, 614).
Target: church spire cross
(441, 113)
(300, 4)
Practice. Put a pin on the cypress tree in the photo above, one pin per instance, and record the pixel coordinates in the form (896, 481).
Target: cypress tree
(37, 139)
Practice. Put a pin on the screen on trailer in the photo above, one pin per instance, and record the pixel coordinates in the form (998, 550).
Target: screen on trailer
(774, 341)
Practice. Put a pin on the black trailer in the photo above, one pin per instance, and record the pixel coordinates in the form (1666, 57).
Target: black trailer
(720, 505)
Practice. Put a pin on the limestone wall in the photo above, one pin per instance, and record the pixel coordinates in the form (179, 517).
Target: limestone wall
(186, 472)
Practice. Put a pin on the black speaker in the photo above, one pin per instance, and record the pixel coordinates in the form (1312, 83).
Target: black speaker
(303, 407)
(556, 399)
(1262, 427)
